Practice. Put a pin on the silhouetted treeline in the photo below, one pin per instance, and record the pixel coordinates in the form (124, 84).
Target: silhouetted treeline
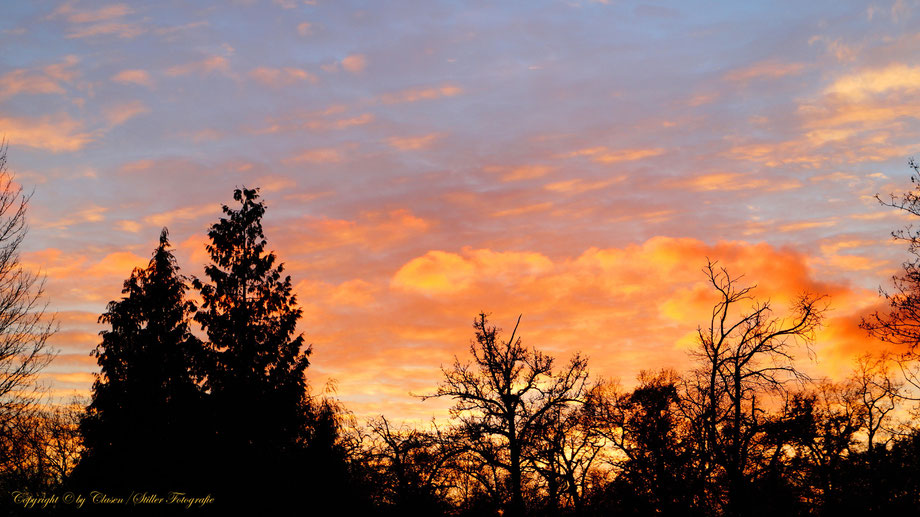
(210, 398)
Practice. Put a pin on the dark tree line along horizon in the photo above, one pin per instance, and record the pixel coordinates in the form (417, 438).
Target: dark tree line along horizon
(231, 414)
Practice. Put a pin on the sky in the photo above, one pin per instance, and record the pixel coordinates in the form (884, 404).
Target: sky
(573, 162)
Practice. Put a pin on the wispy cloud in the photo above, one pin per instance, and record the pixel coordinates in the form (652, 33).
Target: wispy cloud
(134, 76)
(412, 143)
(108, 20)
(205, 66)
(55, 133)
(280, 77)
(421, 94)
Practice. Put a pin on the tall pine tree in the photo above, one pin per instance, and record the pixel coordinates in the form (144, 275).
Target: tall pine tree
(256, 377)
(145, 422)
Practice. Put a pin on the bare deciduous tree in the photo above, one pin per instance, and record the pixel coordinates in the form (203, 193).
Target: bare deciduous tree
(502, 397)
(745, 353)
(24, 327)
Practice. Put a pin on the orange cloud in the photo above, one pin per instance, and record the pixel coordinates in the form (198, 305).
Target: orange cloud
(321, 155)
(140, 77)
(413, 143)
(120, 113)
(315, 123)
(55, 133)
(129, 226)
(865, 83)
(49, 80)
(105, 20)
(439, 272)
(375, 230)
(578, 186)
(523, 172)
(729, 181)
(137, 166)
(181, 214)
(355, 63)
(420, 94)
(606, 155)
(527, 209)
(90, 214)
(279, 77)
(771, 69)
(205, 66)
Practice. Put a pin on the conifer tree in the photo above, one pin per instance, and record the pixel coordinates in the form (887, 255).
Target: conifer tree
(144, 419)
(250, 315)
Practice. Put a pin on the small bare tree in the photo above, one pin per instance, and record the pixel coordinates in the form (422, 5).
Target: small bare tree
(877, 392)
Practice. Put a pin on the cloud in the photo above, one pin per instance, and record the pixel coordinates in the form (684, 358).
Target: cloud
(355, 63)
(55, 133)
(187, 213)
(315, 121)
(522, 172)
(137, 166)
(806, 225)
(371, 230)
(129, 226)
(51, 79)
(205, 66)
(319, 155)
(304, 28)
(626, 307)
(729, 181)
(104, 20)
(359, 120)
(606, 155)
(118, 114)
(101, 14)
(420, 94)
(171, 31)
(412, 143)
(140, 77)
(279, 77)
(866, 83)
(579, 186)
(527, 209)
(770, 69)
(90, 214)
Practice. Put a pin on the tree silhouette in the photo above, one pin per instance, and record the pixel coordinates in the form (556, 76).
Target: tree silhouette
(24, 327)
(742, 356)
(647, 427)
(504, 395)
(257, 358)
(143, 423)
(901, 323)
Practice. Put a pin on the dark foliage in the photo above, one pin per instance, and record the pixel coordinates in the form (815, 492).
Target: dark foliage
(145, 424)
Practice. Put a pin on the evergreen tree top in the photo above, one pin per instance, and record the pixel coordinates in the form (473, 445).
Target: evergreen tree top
(248, 308)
